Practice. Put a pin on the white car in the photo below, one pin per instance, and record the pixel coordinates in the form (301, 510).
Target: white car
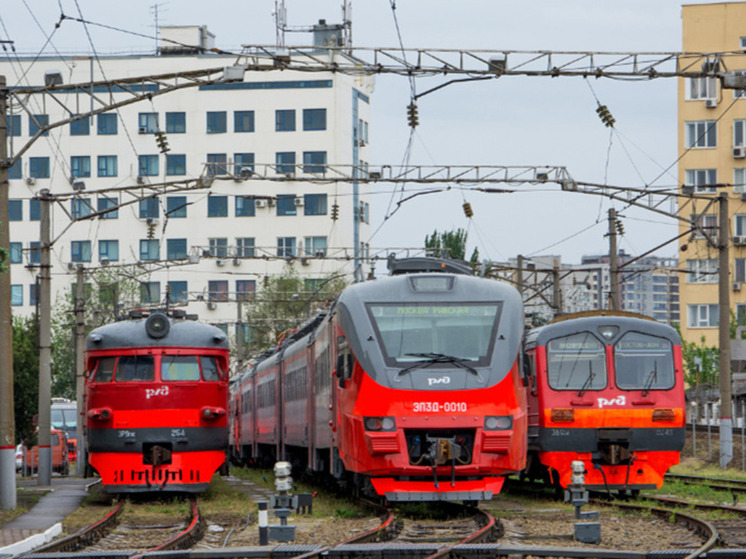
(19, 458)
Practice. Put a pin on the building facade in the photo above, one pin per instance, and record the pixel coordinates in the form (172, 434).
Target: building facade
(202, 249)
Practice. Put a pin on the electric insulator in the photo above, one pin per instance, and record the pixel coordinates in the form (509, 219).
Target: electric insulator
(619, 227)
(265, 282)
(151, 230)
(605, 115)
(467, 210)
(162, 141)
(335, 212)
(412, 115)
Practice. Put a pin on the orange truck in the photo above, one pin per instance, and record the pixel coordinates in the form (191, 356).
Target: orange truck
(60, 458)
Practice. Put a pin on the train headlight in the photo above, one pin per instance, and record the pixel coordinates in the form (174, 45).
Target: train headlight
(157, 325)
(379, 424)
(498, 422)
(563, 415)
(664, 414)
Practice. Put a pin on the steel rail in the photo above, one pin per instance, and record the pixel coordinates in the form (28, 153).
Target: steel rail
(193, 532)
(483, 533)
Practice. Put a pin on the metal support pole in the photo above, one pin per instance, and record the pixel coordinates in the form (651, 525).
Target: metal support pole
(726, 409)
(694, 429)
(613, 263)
(519, 275)
(45, 343)
(239, 333)
(557, 292)
(80, 370)
(7, 414)
(708, 419)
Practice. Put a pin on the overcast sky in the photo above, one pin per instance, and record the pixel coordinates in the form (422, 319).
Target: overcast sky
(507, 121)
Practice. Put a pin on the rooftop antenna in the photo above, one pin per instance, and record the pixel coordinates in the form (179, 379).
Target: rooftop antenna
(154, 8)
(281, 24)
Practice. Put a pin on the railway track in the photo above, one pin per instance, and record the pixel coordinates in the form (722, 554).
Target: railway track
(732, 485)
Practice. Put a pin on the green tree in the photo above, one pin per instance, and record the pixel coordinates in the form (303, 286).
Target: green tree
(450, 244)
(25, 376)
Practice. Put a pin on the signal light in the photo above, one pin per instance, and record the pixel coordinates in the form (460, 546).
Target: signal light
(412, 118)
(335, 211)
(605, 115)
(467, 210)
(162, 141)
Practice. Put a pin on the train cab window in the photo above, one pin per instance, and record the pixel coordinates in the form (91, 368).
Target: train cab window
(643, 362)
(179, 368)
(105, 369)
(135, 368)
(210, 370)
(576, 362)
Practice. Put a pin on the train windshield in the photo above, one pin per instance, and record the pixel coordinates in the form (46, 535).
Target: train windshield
(187, 368)
(463, 331)
(643, 362)
(576, 362)
(64, 419)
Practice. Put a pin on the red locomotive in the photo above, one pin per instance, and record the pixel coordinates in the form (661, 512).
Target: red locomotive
(409, 388)
(156, 403)
(606, 388)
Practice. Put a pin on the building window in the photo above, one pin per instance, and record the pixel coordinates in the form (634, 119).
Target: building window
(702, 88)
(150, 249)
(315, 246)
(36, 123)
(217, 206)
(703, 316)
(314, 204)
(364, 212)
(16, 170)
(80, 166)
(38, 167)
(702, 271)
(108, 250)
(286, 204)
(285, 247)
(14, 125)
(147, 165)
(34, 253)
(80, 251)
(245, 207)
(707, 223)
(219, 247)
(285, 120)
(245, 289)
(216, 122)
(150, 292)
(703, 180)
(243, 121)
(175, 164)
(740, 270)
(176, 248)
(16, 295)
(15, 210)
(285, 162)
(149, 208)
(80, 207)
(107, 124)
(362, 132)
(175, 123)
(241, 160)
(34, 210)
(739, 180)
(314, 119)
(701, 134)
(80, 127)
(314, 161)
(178, 292)
(245, 247)
(105, 203)
(16, 253)
(217, 164)
(33, 294)
(107, 165)
(147, 123)
(176, 206)
(217, 290)
(739, 224)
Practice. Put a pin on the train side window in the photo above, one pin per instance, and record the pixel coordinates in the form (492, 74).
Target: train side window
(105, 369)
(344, 366)
(210, 370)
(135, 368)
(179, 368)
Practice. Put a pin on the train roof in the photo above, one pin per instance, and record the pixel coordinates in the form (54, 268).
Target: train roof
(133, 333)
(591, 321)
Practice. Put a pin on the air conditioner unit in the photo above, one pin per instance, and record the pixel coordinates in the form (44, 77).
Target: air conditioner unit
(739, 152)
(152, 221)
(261, 204)
(736, 286)
(140, 179)
(220, 262)
(298, 201)
(142, 130)
(31, 181)
(711, 103)
(211, 305)
(245, 172)
(271, 202)
(739, 240)
(236, 262)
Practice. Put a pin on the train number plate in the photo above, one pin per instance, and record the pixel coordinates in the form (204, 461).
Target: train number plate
(439, 407)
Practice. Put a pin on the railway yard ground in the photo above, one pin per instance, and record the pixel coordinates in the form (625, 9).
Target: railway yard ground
(526, 517)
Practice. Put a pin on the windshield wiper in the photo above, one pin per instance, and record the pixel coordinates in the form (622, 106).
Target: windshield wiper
(588, 381)
(652, 377)
(430, 358)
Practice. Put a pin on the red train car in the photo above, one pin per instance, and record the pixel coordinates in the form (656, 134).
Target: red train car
(156, 403)
(606, 388)
(409, 388)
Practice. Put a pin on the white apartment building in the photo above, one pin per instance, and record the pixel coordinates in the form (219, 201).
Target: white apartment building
(207, 248)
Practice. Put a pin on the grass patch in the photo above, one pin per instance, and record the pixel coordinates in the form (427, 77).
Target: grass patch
(25, 500)
(700, 492)
(694, 467)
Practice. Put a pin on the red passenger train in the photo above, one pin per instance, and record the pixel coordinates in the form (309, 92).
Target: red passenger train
(156, 403)
(606, 388)
(409, 388)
